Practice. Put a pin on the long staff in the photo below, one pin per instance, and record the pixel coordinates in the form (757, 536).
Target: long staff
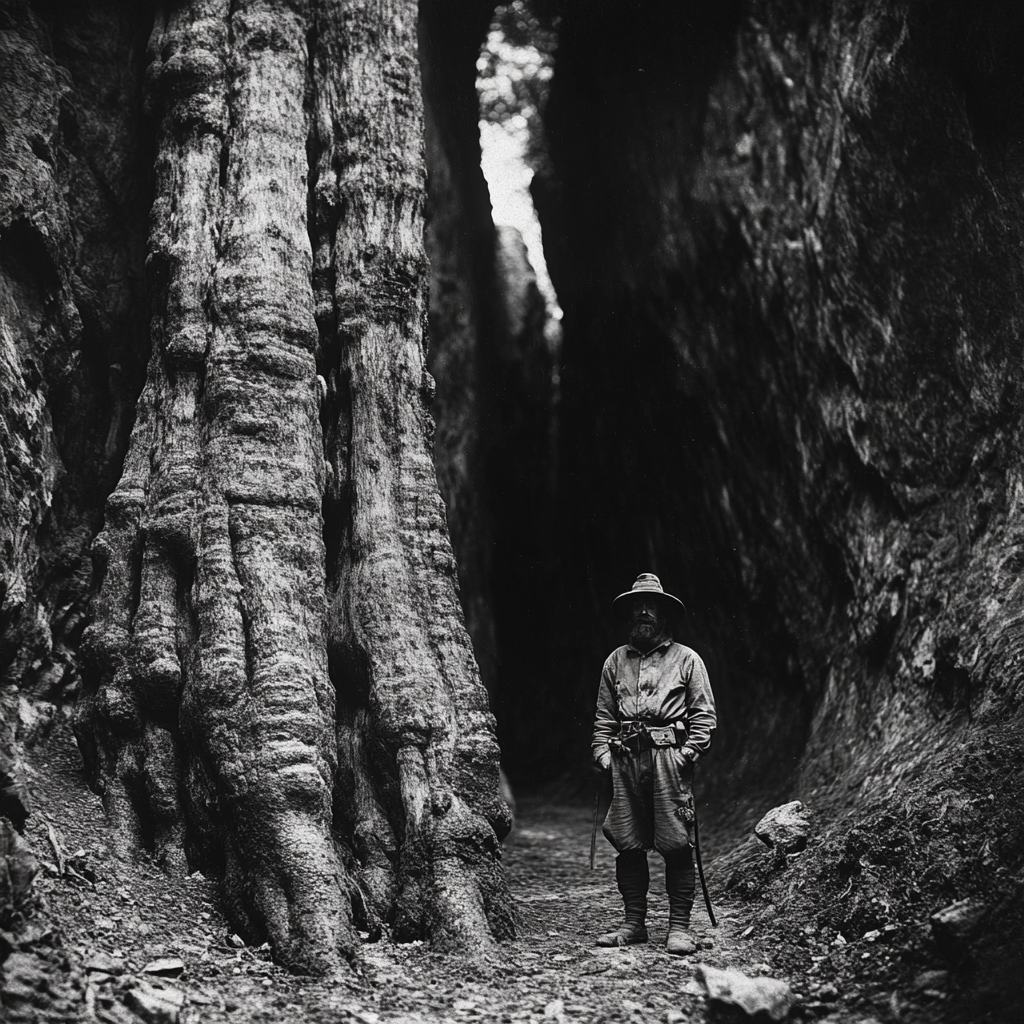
(700, 867)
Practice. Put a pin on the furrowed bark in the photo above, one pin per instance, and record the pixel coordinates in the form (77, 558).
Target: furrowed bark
(209, 642)
(209, 716)
(415, 732)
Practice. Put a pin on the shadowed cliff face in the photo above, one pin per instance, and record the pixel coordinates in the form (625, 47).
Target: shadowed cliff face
(495, 403)
(76, 179)
(786, 238)
(792, 379)
(785, 242)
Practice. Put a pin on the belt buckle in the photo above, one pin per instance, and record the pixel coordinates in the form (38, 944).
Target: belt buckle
(662, 735)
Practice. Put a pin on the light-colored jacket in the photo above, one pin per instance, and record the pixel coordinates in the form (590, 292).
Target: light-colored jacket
(667, 686)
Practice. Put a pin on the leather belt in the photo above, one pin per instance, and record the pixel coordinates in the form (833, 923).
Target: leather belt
(636, 735)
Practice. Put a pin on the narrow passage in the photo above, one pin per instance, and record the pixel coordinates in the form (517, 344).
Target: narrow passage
(104, 925)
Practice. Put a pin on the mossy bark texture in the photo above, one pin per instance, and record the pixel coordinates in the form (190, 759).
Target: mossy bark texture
(278, 681)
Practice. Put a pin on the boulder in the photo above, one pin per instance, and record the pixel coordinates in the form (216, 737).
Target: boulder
(733, 994)
(155, 1005)
(931, 981)
(955, 926)
(25, 977)
(103, 963)
(784, 827)
(168, 965)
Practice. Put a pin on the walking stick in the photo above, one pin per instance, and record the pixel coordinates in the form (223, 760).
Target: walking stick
(700, 867)
(603, 789)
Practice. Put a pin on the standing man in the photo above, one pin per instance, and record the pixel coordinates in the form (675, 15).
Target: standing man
(655, 718)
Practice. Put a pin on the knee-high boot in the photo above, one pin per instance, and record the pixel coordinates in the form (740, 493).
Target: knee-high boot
(633, 878)
(680, 884)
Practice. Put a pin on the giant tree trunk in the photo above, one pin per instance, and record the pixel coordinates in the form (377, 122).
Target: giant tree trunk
(278, 681)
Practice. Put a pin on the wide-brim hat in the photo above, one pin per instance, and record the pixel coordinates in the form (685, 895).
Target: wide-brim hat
(648, 585)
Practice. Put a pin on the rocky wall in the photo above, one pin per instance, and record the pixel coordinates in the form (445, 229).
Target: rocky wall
(74, 195)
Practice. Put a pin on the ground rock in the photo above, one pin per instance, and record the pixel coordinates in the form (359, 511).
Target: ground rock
(30, 935)
(24, 978)
(14, 803)
(155, 1005)
(931, 980)
(955, 926)
(104, 963)
(732, 993)
(170, 965)
(784, 827)
(18, 867)
(35, 719)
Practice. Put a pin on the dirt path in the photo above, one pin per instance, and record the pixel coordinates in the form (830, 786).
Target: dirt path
(133, 915)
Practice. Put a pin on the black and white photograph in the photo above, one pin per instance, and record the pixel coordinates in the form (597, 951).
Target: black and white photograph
(512, 513)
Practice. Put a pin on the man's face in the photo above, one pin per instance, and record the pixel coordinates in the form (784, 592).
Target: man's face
(647, 621)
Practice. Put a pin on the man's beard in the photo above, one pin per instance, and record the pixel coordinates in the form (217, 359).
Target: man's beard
(643, 633)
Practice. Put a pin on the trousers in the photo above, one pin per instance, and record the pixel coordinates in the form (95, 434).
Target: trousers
(652, 802)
